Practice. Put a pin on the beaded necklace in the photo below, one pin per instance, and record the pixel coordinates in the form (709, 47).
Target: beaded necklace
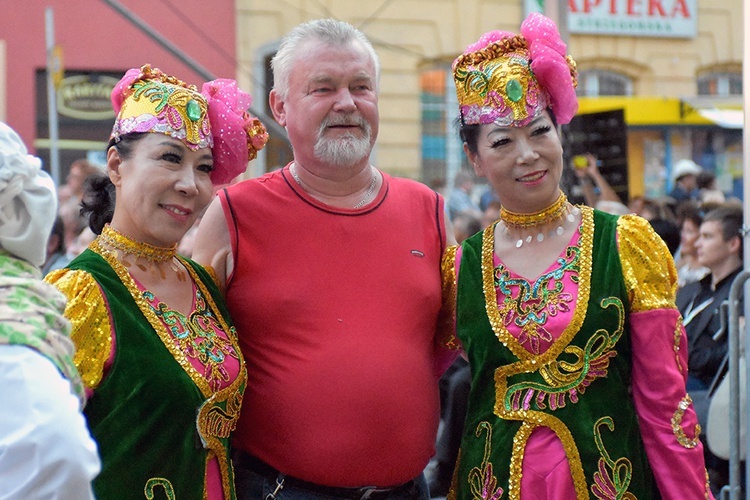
(528, 224)
(146, 256)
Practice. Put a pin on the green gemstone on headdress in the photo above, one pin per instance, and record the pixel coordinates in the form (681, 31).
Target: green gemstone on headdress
(193, 110)
(514, 90)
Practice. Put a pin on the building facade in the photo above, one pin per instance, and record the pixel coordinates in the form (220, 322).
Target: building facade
(96, 44)
(672, 66)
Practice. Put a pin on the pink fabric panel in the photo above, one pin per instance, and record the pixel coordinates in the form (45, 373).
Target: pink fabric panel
(658, 388)
(546, 471)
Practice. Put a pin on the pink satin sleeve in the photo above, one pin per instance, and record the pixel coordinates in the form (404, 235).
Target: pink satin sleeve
(667, 420)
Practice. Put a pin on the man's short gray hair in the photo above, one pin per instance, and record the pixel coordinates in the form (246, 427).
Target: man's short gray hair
(328, 31)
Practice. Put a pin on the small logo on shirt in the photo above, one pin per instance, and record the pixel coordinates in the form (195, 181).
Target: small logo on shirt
(417, 253)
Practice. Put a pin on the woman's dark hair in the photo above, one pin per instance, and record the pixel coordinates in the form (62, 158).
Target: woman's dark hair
(98, 203)
(689, 210)
(58, 229)
(705, 179)
(470, 133)
(669, 232)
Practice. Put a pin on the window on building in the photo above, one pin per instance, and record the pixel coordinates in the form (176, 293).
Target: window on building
(442, 153)
(434, 127)
(598, 82)
(720, 84)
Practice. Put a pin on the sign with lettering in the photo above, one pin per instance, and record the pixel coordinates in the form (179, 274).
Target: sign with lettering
(86, 97)
(644, 18)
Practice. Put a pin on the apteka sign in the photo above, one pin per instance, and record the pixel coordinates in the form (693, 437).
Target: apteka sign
(647, 18)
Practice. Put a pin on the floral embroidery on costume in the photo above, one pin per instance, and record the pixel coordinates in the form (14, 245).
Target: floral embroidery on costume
(612, 479)
(569, 378)
(482, 480)
(529, 305)
(196, 336)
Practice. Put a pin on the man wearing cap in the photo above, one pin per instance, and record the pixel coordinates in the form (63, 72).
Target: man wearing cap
(685, 175)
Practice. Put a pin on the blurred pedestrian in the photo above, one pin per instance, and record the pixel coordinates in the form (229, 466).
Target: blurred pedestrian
(685, 178)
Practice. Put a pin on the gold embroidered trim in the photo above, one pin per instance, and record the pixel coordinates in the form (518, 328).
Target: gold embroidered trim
(530, 362)
(613, 477)
(115, 239)
(152, 484)
(447, 318)
(677, 430)
(707, 494)
(232, 393)
(647, 266)
(677, 342)
(482, 479)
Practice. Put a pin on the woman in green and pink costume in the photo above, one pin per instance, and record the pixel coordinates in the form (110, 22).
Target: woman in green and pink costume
(156, 348)
(566, 314)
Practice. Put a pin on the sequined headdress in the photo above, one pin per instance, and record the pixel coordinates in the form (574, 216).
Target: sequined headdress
(511, 79)
(148, 100)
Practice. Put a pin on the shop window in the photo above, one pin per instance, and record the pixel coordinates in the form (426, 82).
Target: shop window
(720, 84)
(440, 144)
(592, 83)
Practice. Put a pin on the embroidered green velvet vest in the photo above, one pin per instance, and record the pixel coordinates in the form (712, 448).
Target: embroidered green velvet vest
(145, 414)
(579, 387)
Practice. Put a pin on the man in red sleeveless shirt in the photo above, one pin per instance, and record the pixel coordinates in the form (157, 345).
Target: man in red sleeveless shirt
(331, 269)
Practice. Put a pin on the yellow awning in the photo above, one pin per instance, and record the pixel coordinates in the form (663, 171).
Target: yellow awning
(665, 111)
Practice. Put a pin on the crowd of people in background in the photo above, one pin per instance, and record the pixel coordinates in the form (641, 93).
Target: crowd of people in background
(279, 333)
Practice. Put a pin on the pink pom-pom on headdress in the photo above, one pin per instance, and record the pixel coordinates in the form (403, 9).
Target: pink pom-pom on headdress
(122, 89)
(237, 135)
(486, 39)
(550, 66)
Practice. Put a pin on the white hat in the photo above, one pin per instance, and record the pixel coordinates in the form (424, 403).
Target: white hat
(28, 200)
(685, 167)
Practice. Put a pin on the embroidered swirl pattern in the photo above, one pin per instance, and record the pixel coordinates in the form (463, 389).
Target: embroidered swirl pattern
(612, 479)
(566, 379)
(482, 480)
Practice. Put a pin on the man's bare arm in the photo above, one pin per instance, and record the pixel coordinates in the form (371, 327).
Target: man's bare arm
(213, 246)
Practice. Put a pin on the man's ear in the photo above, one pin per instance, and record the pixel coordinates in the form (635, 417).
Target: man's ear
(114, 162)
(277, 107)
(735, 244)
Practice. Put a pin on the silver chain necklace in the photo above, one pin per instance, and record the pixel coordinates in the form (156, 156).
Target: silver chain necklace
(365, 197)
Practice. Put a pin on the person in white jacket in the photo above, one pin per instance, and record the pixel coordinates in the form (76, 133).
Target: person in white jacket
(46, 450)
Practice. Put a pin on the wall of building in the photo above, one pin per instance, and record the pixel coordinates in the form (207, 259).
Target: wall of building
(95, 37)
(413, 35)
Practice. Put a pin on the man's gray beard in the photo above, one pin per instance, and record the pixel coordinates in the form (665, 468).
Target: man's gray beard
(344, 151)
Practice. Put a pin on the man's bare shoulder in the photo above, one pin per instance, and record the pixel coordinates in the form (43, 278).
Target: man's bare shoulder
(213, 245)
